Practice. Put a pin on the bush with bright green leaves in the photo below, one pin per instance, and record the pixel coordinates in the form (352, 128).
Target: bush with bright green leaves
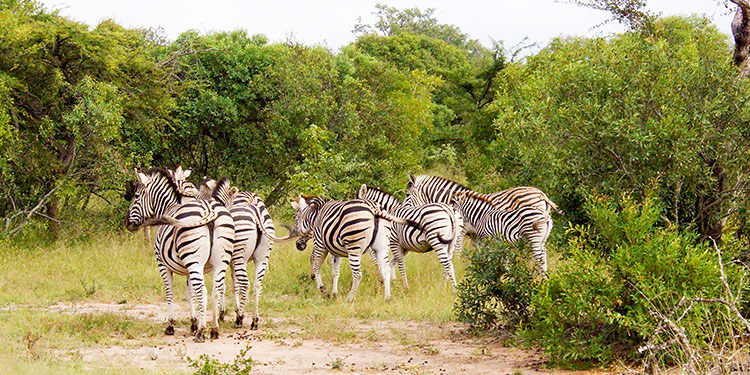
(598, 306)
(498, 286)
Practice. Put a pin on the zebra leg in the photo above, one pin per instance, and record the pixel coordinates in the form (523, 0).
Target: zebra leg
(240, 283)
(166, 276)
(458, 243)
(398, 258)
(538, 239)
(442, 251)
(336, 272)
(191, 303)
(375, 262)
(217, 295)
(317, 258)
(355, 257)
(380, 246)
(260, 259)
(195, 274)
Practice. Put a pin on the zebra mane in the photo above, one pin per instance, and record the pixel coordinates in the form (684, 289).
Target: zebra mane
(421, 177)
(222, 185)
(313, 200)
(382, 197)
(153, 171)
(130, 187)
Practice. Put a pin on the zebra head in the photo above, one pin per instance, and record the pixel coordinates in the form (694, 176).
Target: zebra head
(222, 191)
(184, 187)
(154, 193)
(415, 197)
(305, 211)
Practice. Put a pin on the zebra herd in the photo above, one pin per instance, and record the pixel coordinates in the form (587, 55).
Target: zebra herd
(217, 228)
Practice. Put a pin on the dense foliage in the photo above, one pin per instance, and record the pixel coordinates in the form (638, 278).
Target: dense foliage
(624, 268)
(626, 113)
(498, 287)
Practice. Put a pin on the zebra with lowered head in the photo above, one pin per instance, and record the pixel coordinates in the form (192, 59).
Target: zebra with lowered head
(182, 243)
(510, 225)
(438, 229)
(442, 190)
(345, 229)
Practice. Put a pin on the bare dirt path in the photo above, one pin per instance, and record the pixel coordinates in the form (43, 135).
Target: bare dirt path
(279, 347)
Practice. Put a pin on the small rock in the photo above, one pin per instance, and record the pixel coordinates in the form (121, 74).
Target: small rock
(154, 355)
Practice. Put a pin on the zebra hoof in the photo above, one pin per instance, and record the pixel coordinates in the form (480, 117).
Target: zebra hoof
(199, 335)
(312, 276)
(221, 315)
(254, 324)
(193, 325)
(213, 333)
(169, 331)
(238, 321)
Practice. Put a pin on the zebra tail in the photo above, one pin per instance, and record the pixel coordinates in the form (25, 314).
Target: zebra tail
(545, 218)
(290, 237)
(380, 213)
(552, 204)
(168, 220)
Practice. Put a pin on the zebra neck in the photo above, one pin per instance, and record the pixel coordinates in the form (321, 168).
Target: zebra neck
(164, 204)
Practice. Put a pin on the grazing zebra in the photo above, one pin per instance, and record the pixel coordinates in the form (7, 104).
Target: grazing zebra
(509, 225)
(438, 229)
(441, 190)
(345, 229)
(222, 232)
(184, 246)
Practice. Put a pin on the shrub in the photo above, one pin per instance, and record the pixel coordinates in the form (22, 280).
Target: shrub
(600, 305)
(498, 286)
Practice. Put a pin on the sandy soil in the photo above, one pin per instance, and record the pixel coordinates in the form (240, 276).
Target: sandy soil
(281, 349)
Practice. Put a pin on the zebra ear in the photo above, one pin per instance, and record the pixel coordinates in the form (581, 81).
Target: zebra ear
(362, 191)
(411, 178)
(186, 174)
(234, 190)
(294, 203)
(143, 178)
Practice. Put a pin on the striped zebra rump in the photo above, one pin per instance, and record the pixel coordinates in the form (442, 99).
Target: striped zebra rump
(344, 229)
(183, 247)
(429, 227)
(510, 225)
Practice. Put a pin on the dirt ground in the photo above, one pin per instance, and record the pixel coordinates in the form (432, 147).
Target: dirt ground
(279, 348)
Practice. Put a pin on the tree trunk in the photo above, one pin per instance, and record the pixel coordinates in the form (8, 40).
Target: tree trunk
(710, 204)
(52, 212)
(741, 32)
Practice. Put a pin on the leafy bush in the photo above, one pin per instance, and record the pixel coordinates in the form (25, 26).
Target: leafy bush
(498, 286)
(205, 365)
(624, 267)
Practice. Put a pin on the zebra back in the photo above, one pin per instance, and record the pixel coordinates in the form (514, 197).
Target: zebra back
(435, 189)
(387, 201)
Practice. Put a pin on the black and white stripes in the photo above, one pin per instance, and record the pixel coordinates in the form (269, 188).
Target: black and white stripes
(184, 247)
(438, 229)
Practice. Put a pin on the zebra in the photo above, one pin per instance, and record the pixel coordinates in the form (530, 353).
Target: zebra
(510, 225)
(439, 228)
(183, 246)
(222, 230)
(441, 190)
(254, 237)
(345, 229)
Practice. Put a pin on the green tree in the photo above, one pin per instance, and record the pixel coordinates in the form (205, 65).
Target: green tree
(70, 97)
(623, 113)
(415, 40)
(285, 115)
